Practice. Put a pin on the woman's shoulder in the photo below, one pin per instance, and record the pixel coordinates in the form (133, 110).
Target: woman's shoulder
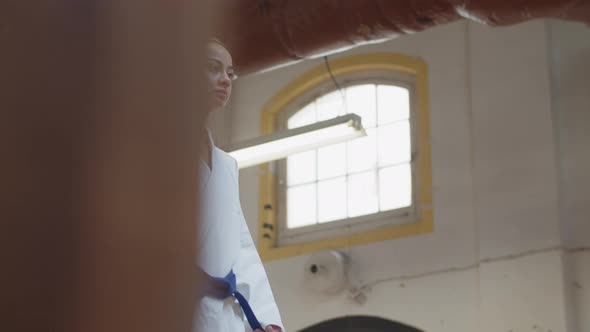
(226, 158)
(228, 162)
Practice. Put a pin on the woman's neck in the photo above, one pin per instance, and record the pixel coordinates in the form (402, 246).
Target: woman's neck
(206, 147)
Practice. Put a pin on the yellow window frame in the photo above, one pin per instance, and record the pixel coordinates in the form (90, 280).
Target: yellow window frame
(267, 211)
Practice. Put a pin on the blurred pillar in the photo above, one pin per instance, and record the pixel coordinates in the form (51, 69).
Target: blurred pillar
(101, 113)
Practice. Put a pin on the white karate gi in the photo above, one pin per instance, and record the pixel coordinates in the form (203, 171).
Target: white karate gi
(225, 243)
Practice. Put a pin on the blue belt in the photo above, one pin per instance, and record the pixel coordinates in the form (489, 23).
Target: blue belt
(223, 288)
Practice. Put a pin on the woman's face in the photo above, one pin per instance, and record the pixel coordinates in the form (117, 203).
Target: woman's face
(220, 73)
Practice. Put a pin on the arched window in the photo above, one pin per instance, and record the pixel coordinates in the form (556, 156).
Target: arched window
(360, 324)
(368, 189)
(343, 184)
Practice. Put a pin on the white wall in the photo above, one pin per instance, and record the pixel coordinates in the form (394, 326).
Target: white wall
(570, 59)
(570, 71)
(515, 179)
(513, 140)
(494, 262)
(580, 285)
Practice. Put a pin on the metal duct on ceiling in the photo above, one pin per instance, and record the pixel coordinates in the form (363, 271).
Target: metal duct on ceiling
(264, 34)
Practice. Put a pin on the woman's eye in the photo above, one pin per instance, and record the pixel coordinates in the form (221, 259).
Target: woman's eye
(213, 68)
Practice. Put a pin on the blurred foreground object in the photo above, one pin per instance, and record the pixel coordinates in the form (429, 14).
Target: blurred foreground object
(100, 123)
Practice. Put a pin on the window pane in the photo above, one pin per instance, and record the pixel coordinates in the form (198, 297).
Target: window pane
(330, 106)
(303, 117)
(393, 103)
(332, 161)
(362, 194)
(394, 143)
(332, 199)
(395, 187)
(362, 152)
(361, 100)
(301, 205)
(301, 168)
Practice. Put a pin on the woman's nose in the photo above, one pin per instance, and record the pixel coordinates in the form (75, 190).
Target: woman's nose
(225, 81)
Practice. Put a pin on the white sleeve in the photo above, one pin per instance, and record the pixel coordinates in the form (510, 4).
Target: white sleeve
(253, 282)
(252, 277)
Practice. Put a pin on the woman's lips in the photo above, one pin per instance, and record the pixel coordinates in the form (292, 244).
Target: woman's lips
(221, 94)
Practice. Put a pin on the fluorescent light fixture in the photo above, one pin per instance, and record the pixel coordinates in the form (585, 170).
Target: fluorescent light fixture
(282, 144)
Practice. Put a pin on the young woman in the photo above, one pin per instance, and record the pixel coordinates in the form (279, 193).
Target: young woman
(237, 284)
